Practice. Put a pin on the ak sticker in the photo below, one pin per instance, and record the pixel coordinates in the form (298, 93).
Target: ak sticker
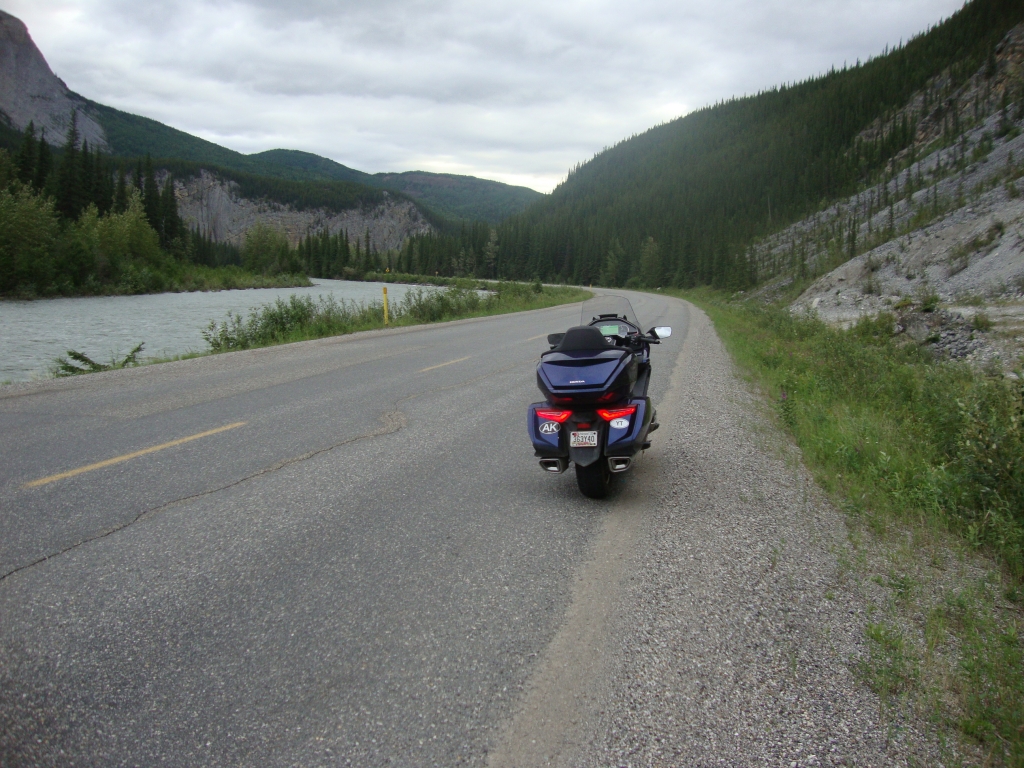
(549, 428)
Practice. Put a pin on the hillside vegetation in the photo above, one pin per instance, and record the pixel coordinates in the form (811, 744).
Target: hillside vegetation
(444, 195)
(73, 223)
(679, 204)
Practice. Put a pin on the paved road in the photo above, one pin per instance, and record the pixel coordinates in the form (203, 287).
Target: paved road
(357, 559)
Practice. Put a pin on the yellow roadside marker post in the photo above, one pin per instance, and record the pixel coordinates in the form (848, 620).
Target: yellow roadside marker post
(385, 305)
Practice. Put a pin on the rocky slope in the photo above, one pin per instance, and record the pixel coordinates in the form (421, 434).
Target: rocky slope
(940, 243)
(214, 207)
(30, 92)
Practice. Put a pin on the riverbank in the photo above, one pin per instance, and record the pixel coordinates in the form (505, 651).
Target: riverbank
(303, 319)
(188, 278)
(172, 325)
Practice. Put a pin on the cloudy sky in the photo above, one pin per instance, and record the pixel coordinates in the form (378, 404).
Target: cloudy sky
(514, 91)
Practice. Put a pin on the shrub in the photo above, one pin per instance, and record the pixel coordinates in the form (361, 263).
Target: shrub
(28, 236)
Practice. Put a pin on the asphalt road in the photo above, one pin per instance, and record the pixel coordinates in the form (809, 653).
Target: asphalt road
(341, 551)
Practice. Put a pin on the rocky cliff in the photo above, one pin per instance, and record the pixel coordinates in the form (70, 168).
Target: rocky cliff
(29, 91)
(214, 207)
(938, 241)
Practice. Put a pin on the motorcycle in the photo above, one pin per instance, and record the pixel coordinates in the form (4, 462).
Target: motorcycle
(596, 413)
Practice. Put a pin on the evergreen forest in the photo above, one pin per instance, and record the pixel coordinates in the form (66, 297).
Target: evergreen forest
(73, 221)
(680, 204)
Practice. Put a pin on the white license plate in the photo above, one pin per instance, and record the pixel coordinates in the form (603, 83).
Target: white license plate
(583, 439)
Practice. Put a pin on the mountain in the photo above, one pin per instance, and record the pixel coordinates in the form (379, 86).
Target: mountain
(682, 203)
(461, 197)
(30, 91)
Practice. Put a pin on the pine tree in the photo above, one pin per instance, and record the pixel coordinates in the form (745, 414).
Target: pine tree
(121, 195)
(44, 165)
(171, 223)
(28, 155)
(87, 176)
(650, 264)
(151, 198)
(69, 176)
(491, 255)
(103, 184)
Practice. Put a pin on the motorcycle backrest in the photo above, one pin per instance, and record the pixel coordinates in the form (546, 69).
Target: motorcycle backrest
(583, 338)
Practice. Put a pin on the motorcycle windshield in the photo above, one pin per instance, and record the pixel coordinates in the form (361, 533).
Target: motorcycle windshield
(615, 307)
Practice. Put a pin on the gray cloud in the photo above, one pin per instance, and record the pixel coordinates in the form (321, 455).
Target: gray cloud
(514, 91)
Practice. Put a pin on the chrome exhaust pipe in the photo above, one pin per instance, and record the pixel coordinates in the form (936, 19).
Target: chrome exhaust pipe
(558, 466)
(619, 464)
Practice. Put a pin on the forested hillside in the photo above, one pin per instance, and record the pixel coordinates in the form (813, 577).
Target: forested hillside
(74, 221)
(447, 195)
(679, 204)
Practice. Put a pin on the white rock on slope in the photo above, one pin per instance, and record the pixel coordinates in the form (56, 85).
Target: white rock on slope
(214, 207)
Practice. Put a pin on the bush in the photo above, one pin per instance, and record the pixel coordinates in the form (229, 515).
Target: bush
(981, 322)
(266, 251)
(28, 238)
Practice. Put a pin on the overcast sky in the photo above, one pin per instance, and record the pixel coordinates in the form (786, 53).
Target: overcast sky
(514, 91)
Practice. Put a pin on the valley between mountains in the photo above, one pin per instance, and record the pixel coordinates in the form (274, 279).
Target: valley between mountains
(342, 552)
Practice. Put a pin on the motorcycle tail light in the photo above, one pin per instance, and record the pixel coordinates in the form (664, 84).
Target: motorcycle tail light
(560, 416)
(610, 414)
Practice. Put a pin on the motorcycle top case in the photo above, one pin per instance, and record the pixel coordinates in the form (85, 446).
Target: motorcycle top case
(587, 377)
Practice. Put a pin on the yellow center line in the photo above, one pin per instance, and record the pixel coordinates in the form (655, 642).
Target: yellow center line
(534, 338)
(129, 456)
(442, 365)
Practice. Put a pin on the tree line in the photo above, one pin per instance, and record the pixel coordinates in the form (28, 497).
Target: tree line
(73, 220)
(682, 203)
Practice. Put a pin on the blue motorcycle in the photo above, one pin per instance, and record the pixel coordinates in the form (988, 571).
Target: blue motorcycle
(596, 413)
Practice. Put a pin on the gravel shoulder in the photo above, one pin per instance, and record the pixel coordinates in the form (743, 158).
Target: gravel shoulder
(740, 626)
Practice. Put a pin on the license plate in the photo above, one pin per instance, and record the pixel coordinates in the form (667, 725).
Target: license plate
(583, 439)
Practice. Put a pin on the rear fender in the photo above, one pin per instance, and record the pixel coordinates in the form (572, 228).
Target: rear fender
(584, 457)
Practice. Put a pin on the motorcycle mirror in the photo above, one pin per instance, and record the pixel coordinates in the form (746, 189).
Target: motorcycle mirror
(661, 331)
(554, 339)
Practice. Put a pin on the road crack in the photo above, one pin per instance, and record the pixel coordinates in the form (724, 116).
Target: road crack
(391, 422)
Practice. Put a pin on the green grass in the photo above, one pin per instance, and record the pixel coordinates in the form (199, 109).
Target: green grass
(303, 318)
(910, 446)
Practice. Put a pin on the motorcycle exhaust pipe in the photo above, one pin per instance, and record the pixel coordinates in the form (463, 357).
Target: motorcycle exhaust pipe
(558, 466)
(619, 464)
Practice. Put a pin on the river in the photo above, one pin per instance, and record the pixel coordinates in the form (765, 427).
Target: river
(33, 333)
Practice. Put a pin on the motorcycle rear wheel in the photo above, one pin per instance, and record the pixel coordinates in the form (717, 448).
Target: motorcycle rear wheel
(594, 480)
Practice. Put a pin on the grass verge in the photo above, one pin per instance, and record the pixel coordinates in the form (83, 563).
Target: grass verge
(927, 457)
(303, 318)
